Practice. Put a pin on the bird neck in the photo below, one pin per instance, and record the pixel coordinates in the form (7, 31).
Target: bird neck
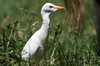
(45, 15)
(46, 21)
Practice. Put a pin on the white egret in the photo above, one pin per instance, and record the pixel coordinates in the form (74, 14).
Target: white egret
(38, 38)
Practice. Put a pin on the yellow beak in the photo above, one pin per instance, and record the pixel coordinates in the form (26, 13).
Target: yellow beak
(59, 7)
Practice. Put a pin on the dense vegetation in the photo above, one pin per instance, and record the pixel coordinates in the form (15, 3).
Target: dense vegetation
(19, 19)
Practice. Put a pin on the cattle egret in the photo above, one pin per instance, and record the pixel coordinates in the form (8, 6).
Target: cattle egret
(38, 38)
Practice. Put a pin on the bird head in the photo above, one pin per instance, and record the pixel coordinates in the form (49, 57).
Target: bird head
(49, 8)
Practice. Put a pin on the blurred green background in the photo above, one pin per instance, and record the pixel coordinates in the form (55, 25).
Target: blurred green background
(19, 19)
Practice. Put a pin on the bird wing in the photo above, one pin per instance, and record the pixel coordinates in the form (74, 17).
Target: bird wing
(31, 46)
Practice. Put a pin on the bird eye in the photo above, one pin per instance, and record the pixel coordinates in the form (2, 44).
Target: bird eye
(50, 6)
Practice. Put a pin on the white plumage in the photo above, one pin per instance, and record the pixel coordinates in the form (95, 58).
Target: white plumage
(38, 38)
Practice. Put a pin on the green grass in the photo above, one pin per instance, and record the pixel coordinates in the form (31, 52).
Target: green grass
(64, 48)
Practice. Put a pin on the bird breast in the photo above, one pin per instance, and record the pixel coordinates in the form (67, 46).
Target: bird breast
(42, 34)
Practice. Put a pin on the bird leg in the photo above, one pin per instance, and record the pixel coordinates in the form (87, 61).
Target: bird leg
(41, 47)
